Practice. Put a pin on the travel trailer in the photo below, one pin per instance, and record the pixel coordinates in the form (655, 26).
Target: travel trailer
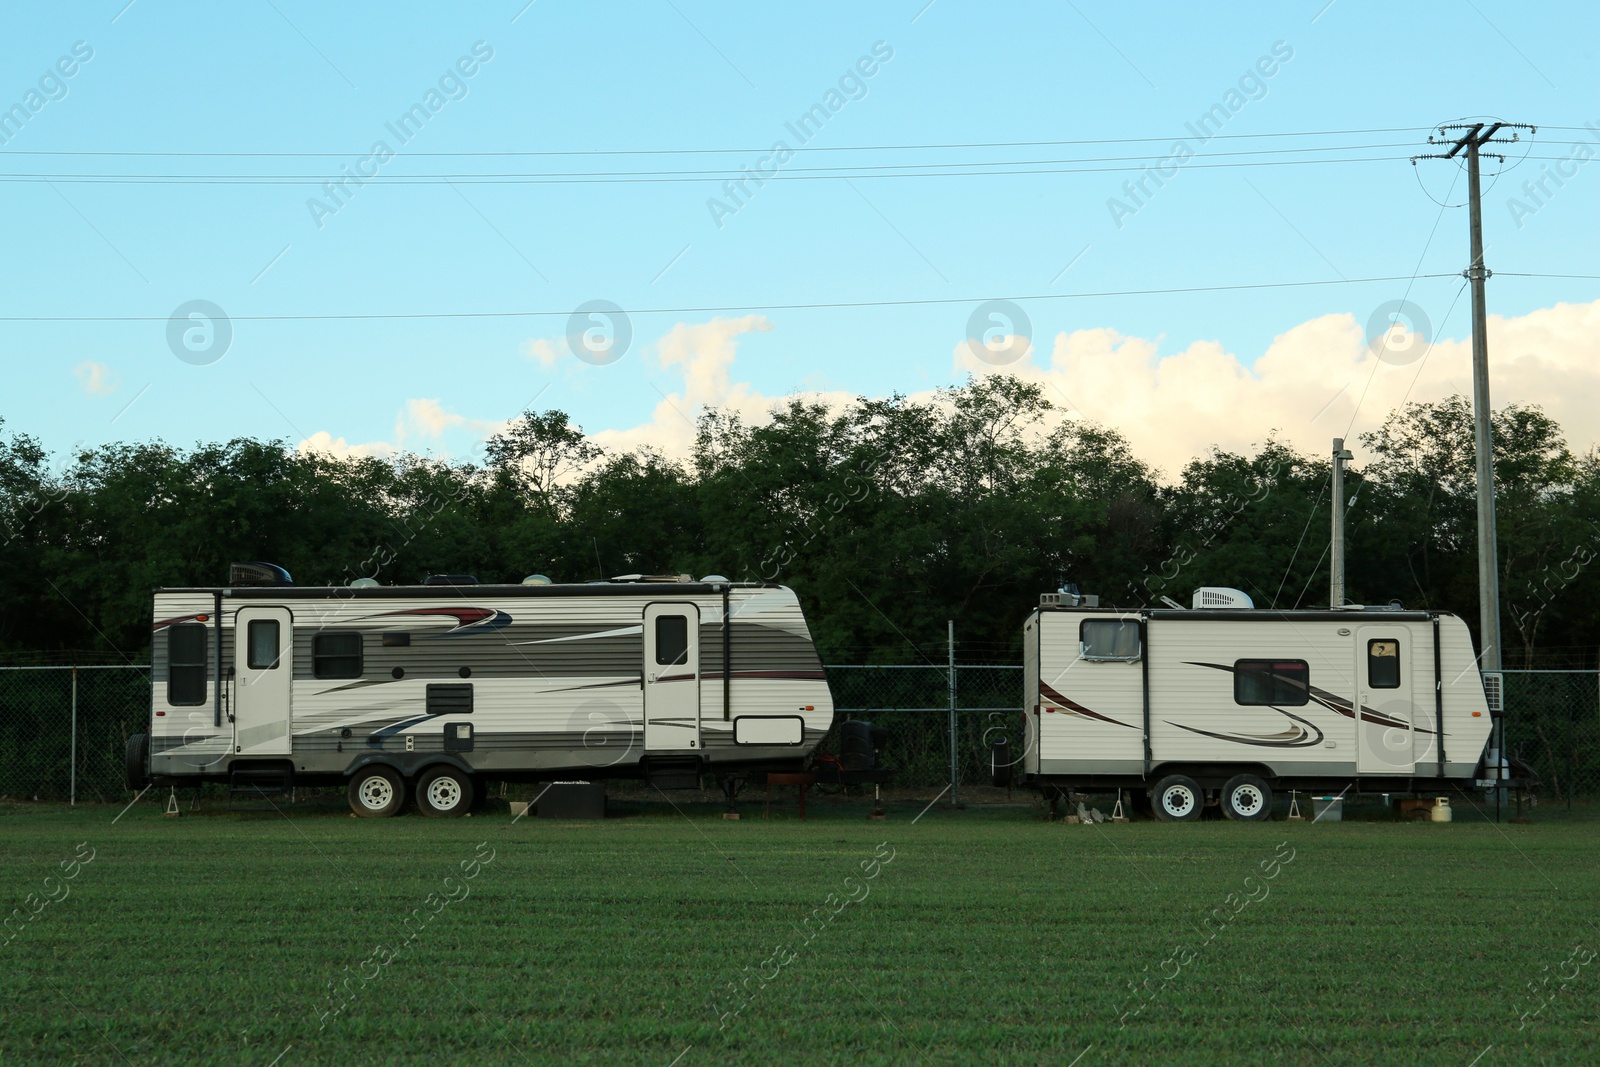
(1223, 703)
(432, 691)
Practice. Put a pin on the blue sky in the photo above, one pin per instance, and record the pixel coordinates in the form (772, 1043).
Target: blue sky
(294, 77)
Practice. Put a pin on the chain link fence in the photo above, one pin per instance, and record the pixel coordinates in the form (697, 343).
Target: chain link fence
(913, 704)
(63, 730)
(1553, 725)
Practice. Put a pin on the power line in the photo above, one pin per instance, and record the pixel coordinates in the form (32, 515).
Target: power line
(470, 179)
(1167, 138)
(729, 309)
(722, 171)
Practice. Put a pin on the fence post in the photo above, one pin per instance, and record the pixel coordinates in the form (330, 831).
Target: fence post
(72, 793)
(955, 787)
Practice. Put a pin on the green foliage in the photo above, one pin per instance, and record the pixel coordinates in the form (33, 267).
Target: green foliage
(889, 516)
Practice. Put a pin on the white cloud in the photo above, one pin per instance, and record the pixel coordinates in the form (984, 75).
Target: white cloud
(705, 353)
(1304, 389)
(421, 420)
(429, 420)
(1316, 381)
(95, 378)
(337, 447)
(545, 351)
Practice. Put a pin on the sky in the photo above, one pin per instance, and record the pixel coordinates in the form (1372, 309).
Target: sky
(180, 269)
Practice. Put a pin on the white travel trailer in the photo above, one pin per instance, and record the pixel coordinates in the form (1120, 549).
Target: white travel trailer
(1225, 702)
(434, 690)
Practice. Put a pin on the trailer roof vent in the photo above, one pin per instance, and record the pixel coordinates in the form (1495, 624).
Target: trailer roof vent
(450, 579)
(653, 578)
(713, 579)
(364, 583)
(248, 574)
(537, 579)
(1217, 596)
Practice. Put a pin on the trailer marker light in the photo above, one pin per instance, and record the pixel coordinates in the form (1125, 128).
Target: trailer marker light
(1477, 714)
(202, 618)
(160, 713)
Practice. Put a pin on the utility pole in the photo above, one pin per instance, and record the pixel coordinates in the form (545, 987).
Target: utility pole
(1470, 138)
(1336, 596)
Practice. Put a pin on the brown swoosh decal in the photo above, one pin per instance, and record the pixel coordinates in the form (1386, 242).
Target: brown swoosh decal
(1078, 709)
(1304, 735)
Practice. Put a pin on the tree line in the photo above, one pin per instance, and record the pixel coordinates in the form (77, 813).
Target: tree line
(888, 516)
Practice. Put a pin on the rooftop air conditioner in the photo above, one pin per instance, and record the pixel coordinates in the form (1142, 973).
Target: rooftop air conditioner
(1217, 596)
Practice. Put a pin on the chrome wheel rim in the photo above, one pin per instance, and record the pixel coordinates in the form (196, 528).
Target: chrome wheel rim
(376, 793)
(1178, 800)
(1247, 800)
(444, 793)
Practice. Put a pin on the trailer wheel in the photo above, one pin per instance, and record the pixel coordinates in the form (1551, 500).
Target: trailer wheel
(444, 792)
(136, 762)
(1247, 799)
(376, 792)
(1177, 798)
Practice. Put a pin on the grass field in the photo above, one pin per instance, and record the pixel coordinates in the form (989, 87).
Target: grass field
(671, 936)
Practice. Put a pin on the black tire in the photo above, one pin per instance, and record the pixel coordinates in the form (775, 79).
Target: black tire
(376, 792)
(444, 793)
(1000, 762)
(137, 762)
(1177, 798)
(1247, 798)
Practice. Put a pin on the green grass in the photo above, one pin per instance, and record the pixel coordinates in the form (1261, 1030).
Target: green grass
(991, 937)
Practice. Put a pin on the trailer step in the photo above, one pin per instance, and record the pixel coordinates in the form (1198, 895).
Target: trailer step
(259, 784)
(673, 772)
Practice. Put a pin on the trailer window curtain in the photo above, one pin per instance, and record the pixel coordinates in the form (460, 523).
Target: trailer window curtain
(336, 656)
(1112, 640)
(1271, 682)
(186, 664)
(1383, 663)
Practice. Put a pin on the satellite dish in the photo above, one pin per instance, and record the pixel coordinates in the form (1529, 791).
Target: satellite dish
(537, 579)
(364, 583)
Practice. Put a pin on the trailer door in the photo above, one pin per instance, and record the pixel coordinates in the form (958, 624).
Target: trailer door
(671, 677)
(263, 671)
(1385, 700)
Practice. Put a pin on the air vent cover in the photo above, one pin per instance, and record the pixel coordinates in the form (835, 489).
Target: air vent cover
(253, 574)
(451, 698)
(1218, 596)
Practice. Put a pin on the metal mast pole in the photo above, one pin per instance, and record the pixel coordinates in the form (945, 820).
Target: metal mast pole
(1336, 596)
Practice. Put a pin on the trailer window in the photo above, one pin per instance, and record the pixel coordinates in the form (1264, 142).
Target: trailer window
(672, 639)
(262, 644)
(1114, 640)
(336, 656)
(1272, 682)
(1383, 663)
(186, 664)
